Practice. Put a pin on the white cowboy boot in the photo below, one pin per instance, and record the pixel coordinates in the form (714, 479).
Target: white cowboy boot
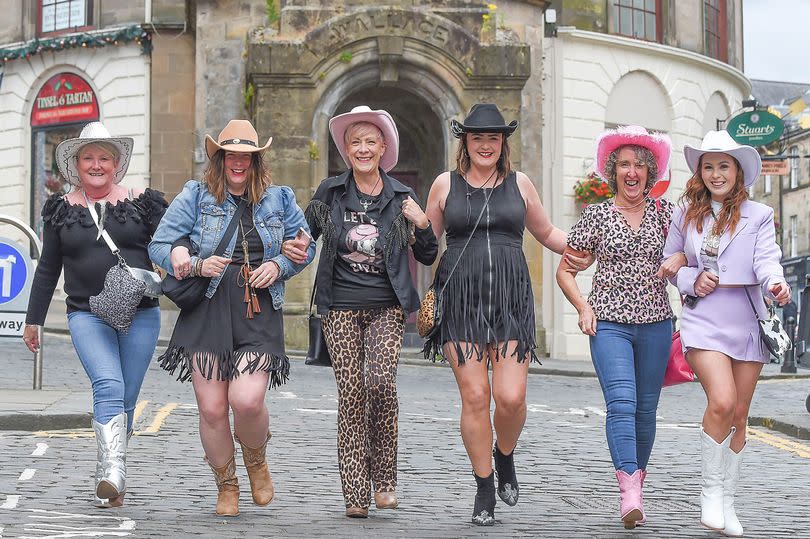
(118, 501)
(111, 466)
(711, 492)
(733, 527)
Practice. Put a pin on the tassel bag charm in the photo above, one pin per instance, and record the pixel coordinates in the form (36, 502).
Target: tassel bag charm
(251, 298)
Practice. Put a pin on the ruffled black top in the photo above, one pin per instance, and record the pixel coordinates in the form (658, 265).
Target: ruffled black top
(70, 241)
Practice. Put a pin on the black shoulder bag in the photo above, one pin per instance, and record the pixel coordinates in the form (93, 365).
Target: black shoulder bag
(189, 292)
(317, 354)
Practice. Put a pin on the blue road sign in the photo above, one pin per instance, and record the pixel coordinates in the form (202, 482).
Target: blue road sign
(13, 271)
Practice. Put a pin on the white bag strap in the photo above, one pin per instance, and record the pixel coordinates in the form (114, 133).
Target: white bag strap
(103, 233)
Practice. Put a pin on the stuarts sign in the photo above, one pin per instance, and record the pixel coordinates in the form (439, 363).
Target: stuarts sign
(755, 128)
(64, 98)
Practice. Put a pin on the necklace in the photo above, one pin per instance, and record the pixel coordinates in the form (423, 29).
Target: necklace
(366, 203)
(475, 190)
(631, 207)
(97, 199)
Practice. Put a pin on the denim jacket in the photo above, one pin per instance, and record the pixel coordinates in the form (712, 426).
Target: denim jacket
(195, 214)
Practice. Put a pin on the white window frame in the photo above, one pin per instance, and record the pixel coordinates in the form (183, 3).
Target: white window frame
(794, 236)
(767, 184)
(794, 167)
(63, 15)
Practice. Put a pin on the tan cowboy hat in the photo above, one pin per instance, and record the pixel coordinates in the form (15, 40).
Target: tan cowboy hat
(238, 136)
(67, 150)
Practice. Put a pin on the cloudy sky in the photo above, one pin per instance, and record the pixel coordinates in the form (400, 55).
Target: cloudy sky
(777, 40)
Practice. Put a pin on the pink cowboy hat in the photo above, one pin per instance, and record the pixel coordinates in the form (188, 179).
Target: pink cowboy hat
(658, 143)
(380, 118)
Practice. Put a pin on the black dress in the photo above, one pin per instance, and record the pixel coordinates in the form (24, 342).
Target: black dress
(217, 338)
(488, 299)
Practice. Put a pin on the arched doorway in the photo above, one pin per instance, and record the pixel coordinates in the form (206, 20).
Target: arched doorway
(422, 154)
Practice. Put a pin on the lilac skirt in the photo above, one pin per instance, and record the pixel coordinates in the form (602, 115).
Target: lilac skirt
(724, 321)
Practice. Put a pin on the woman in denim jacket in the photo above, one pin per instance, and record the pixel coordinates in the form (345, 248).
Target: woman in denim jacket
(231, 345)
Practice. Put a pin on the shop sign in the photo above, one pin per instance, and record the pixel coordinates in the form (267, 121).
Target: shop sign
(775, 167)
(64, 98)
(755, 128)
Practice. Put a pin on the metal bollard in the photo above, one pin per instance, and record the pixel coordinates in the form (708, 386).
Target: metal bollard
(789, 363)
(38, 361)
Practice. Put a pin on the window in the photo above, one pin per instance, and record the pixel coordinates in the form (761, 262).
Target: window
(714, 29)
(638, 18)
(767, 186)
(794, 236)
(794, 167)
(61, 15)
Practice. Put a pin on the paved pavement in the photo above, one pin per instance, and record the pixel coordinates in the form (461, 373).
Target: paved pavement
(566, 477)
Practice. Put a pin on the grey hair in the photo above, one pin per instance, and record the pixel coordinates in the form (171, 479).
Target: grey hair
(366, 125)
(642, 154)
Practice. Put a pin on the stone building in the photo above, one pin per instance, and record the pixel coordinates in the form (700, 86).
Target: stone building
(565, 69)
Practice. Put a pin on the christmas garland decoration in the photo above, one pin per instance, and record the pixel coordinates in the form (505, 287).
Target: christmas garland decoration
(71, 41)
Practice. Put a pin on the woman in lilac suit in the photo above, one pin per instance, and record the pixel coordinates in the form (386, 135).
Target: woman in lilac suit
(731, 251)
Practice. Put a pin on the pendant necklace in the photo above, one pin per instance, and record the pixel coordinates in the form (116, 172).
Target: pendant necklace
(243, 279)
(475, 190)
(366, 203)
(630, 208)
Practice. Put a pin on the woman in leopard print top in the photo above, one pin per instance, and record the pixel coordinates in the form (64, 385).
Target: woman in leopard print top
(627, 314)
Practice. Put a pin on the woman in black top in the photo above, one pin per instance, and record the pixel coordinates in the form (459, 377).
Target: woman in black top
(488, 305)
(368, 220)
(115, 361)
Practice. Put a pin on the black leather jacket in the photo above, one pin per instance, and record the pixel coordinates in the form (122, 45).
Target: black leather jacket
(324, 215)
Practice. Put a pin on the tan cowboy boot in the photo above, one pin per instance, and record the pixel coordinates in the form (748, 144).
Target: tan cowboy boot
(261, 484)
(228, 487)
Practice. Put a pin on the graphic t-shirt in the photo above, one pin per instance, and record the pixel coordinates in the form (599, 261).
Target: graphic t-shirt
(360, 280)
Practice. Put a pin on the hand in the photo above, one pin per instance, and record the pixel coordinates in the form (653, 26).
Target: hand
(264, 275)
(578, 263)
(587, 320)
(296, 249)
(31, 337)
(706, 283)
(181, 262)
(213, 266)
(781, 291)
(414, 214)
(670, 266)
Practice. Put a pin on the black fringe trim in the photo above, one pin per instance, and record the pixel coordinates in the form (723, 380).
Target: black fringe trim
(178, 358)
(463, 318)
(397, 236)
(319, 217)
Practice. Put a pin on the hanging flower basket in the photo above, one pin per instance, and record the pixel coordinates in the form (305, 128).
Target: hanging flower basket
(591, 190)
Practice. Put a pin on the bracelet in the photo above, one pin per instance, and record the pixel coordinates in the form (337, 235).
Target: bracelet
(198, 268)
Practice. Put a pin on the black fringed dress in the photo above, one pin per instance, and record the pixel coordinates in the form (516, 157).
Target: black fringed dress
(488, 299)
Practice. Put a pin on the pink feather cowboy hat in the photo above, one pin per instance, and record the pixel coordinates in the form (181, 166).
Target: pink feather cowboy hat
(380, 118)
(658, 143)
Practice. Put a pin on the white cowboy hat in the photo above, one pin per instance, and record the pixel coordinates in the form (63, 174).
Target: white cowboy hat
(721, 142)
(67, 150)
(380, 118)
(238, 136)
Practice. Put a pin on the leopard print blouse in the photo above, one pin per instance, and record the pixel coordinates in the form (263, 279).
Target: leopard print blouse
(625, 288)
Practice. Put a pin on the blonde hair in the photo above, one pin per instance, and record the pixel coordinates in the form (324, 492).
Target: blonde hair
(362, 127)
(102, 145)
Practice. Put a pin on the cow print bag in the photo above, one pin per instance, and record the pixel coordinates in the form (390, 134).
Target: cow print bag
(771, 332)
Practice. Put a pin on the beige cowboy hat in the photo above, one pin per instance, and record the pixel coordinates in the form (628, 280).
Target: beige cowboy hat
(238, 136)
(67, 150)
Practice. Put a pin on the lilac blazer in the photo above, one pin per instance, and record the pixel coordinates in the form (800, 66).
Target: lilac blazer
(750, 256)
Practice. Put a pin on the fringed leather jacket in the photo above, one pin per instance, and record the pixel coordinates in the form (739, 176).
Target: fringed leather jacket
(324, 216)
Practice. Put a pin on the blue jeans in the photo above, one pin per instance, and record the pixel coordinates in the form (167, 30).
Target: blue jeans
(630, 361)
(115, 362)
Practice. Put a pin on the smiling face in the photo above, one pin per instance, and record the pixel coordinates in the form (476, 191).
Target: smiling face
(96, 165)
(484, 149)
(631, 175)
(364, 147)
(236, 169)
(719, 172)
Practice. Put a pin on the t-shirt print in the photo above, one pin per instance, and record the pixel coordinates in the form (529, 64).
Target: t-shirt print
(364, 252)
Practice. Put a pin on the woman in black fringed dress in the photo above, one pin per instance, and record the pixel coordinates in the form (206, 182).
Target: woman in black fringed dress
(487, 301)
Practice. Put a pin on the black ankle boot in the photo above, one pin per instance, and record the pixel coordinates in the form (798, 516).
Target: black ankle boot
(508, 489)
(484, 510)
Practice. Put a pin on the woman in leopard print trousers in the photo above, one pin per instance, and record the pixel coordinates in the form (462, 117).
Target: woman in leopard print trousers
(364, 291)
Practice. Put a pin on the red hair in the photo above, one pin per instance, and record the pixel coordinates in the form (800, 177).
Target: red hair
(699, 200)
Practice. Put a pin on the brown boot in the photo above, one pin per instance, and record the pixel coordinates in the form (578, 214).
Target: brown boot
(261, 484)
(228, 487)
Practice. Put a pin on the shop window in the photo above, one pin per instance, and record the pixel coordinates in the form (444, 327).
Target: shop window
(640, 19)
(714, 29)
(794, 167)
(57, 16)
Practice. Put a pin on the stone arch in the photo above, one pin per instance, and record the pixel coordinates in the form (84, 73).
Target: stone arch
(716, 109)
(625, 108)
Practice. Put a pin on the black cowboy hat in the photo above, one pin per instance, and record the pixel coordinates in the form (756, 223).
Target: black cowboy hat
(483, 118)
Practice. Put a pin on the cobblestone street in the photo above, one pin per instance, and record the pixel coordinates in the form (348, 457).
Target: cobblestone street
(567, 483)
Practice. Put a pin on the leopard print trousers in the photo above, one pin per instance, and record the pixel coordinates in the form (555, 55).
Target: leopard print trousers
(364, 346)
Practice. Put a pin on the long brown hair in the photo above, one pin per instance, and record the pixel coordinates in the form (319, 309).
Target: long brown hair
(504, 164)
(699, 200)
(258, 177)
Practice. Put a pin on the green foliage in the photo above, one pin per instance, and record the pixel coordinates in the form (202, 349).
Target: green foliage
(92, 41)
(273, 15)
(314, 152)
(248, 94)
(346, 57)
